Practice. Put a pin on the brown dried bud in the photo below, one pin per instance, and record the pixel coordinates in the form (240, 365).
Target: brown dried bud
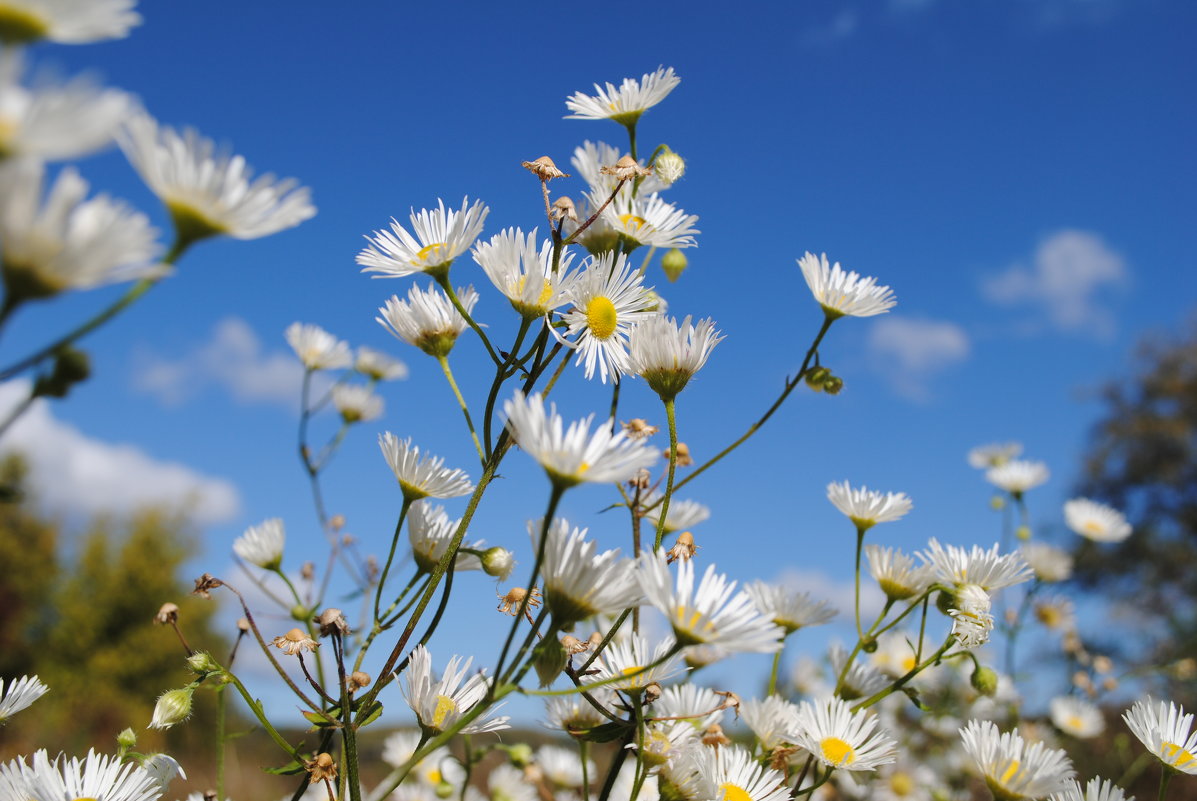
(683, 548)
(652, 692)
(730, 701)
(371, 569)
(544, 169)
(242, 624)
(510, 603)
(348, 539)
(779, 757)
(573, 645)
(639, 428)
(308, 571)
(1109, 683)
(683, 455)
(322, 768)
(1081, 679)
(563, 208)
(595, 639)
(714, 736)
(1102, 664)
(205, 584)
(626, 168)
(641, 480)
(336, 522)
(294, 642)
(357, 680)
(332, 621)
(167, 613)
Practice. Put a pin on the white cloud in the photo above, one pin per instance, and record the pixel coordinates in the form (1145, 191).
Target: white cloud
(909, 351)
(839, 27)
(233, 359)
(1067, 273)
(74, 474)
(840, 594)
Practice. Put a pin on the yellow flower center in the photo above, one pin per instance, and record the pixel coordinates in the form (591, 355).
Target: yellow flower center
(1010, 772)
(546, 291)
(1093, 527)
(908, 664)
(444, 705)
(630, 670)
(429, 252)
(837, 752)
(433, 776)
(1176, 756)
(601, 317)
(1075, 722)
(901, 784)
(20, 26)
(733, 792)
(632, 222)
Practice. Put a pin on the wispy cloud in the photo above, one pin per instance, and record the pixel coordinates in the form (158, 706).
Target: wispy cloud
(839, 594)
(233, 359)
(838, 28)
(80, 476)
(1064, 285)
(910, 351)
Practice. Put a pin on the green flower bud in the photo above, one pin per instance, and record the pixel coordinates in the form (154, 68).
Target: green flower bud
(674, 264)
(985, 680)
(520, 755)
(869, 646)
(300, 612)
(444, 789)
(1023, 533)
(833, 385)
(945, 602)
(549, 660)
(669, 166)
(498, 562)
(174, 706)
(202, 664)
(71, 366)
(817, 377)
(126, 740)
(997, 503)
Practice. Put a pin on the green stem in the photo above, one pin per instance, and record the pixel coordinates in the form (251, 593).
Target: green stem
(465, 409)
(1165, 777)
(860, 535)
(382, 578)
(664, 513)
(906, 678)
(258, 713)
(443, 280)
(221, 711)
(773, 672)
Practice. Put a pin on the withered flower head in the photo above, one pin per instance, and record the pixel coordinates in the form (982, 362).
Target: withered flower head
(641, 480)
(167, 613)
(336, 522)
(714, 736)
(510, 603)
(730, 701)
(205, 584)
(573, 645)
(626, 168)
(652, 692)
(544, 169)
(294, 642)
(358, 680)
(563, 208)
(308, 570)
(242, 624)
(639, 428)
(331, 621)
(322, 768)
(683, 455)
(683, 548)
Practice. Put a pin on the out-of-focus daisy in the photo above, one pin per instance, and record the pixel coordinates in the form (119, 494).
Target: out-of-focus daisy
(1011, 768)
(732, 774)
(208, 192)
(1049, 563)
(507, 783)
(789, 609)
(896, 574)
(441, 235)
(438, 768)
(608, 300)
(66, 21)
(1096, 790)
(316, 348)
(572, 455)
(96, 776)
(971, 620)
(861, 680)
(772, 719)
(262, 545)
(440, 704)
(378, 366)
(710, 614)
(624, 103)
(650, 220)
(55, 121)
(667, 355)
(562, 766)
(700, 706)
(590, 158)
(983, 457)
(1056, 612)
(866, 508)
(905, 782)
(356, 403)
(842, 293)
(895, 656)
(418, 477)
(1017, 476)
(69, 242)
(631, 657)
(429, 530)
(428, 319)
(682, 515)
(1165, 730)
(1096, 521)
(578, 581)
(1076, 717)
(573, 714)
(19, 695)
(525, 275)
(841, 738)
(953, 565)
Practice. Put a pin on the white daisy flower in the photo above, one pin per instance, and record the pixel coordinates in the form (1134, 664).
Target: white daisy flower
(664, 742)
(573, 455)
(983, 457)
(429, 530)
(788, 609)
(710, 614)
(378, 366)
(1013, 769)
(66, 21)
(439, 704)
(507, 783)
(428, 319)
(698, 705)
(625, 783)
(682, 515)
(896, 573)
(357, 403)
(667, 355)
(316, 348)
(1017, 476)
(440, 237)
(562, 766)
(425, 477)
(1095, 790)
(1165, 730)
(262, 545)
(97, 776)
(843, 293)
(971, 620)
(590, 158)
(1049, 563)
(895, 656)
(20, 694)
(69, 242)
(524, 275)
(732, 774)
(573, 714)
(1096, 521)
(841, 738)
(626, 103)
(772, 719)
(164, 768)
(608, 300)
(646, 220)
(631, 657)
(957, 566)
(861, 681)
(1056, 612)
(438, 767)
(578, 581)
(907, 782)
(1076, 717)
(53, 121)
(208, 192)
(866, 507)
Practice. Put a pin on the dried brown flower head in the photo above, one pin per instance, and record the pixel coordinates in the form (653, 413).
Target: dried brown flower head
(683, 548)
(639, 428)
(167, 613)
(322, 768)
(626, 168)
(563, 208)
(544, 169)
(205, 584)
(332, 621)
(294, 642)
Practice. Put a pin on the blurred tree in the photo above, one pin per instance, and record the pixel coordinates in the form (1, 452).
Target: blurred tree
(27, 550)
(1142, 459)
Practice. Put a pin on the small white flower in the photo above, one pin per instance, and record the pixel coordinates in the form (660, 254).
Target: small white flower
(733, 775)
(357, 403)
(577, 580)
(507, 783)
(66, 21)
(440, 237)
(440, 704)
(378, 366)
(590, 158)
(789, 609)
(971, 620)
(866, 507)
(316, 348)
(428, 319)
(1017, 476)
(861, 680)
(843, 293)
(896, 573)
(20, 694)
(430, 530)
(953, 565)
(96, 776)
(562, 766)
(1076, 717)
(667, 355)
(646, 220)
(262, 545)
(1095, 790)
(608, 300)
(682, 515)
(1011, 768)
(1050, 564)
(699, 705)
(841, 738)
(983, 457)
(208, 192)
(624, 103)
(418, 477)
(1096, 521)
(525, 276)
(572, 713)
(1165, 730)
(772, 719)
(632, 658)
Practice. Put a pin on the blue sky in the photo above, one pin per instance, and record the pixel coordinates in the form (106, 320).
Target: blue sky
(1020, 172)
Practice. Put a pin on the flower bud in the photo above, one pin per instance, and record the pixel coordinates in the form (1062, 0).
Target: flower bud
(669, 166)
(984, 680)
(174, 706)
(674, 263)
(71, 367)
(549, 660)
(833, 385)
(520, 755)
(126, 739)
(444, 789)
(498, 562)
(300, 612)
(869, 646)
(358, 680)
(1023, 533)
(201, 663)
(817, 377)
